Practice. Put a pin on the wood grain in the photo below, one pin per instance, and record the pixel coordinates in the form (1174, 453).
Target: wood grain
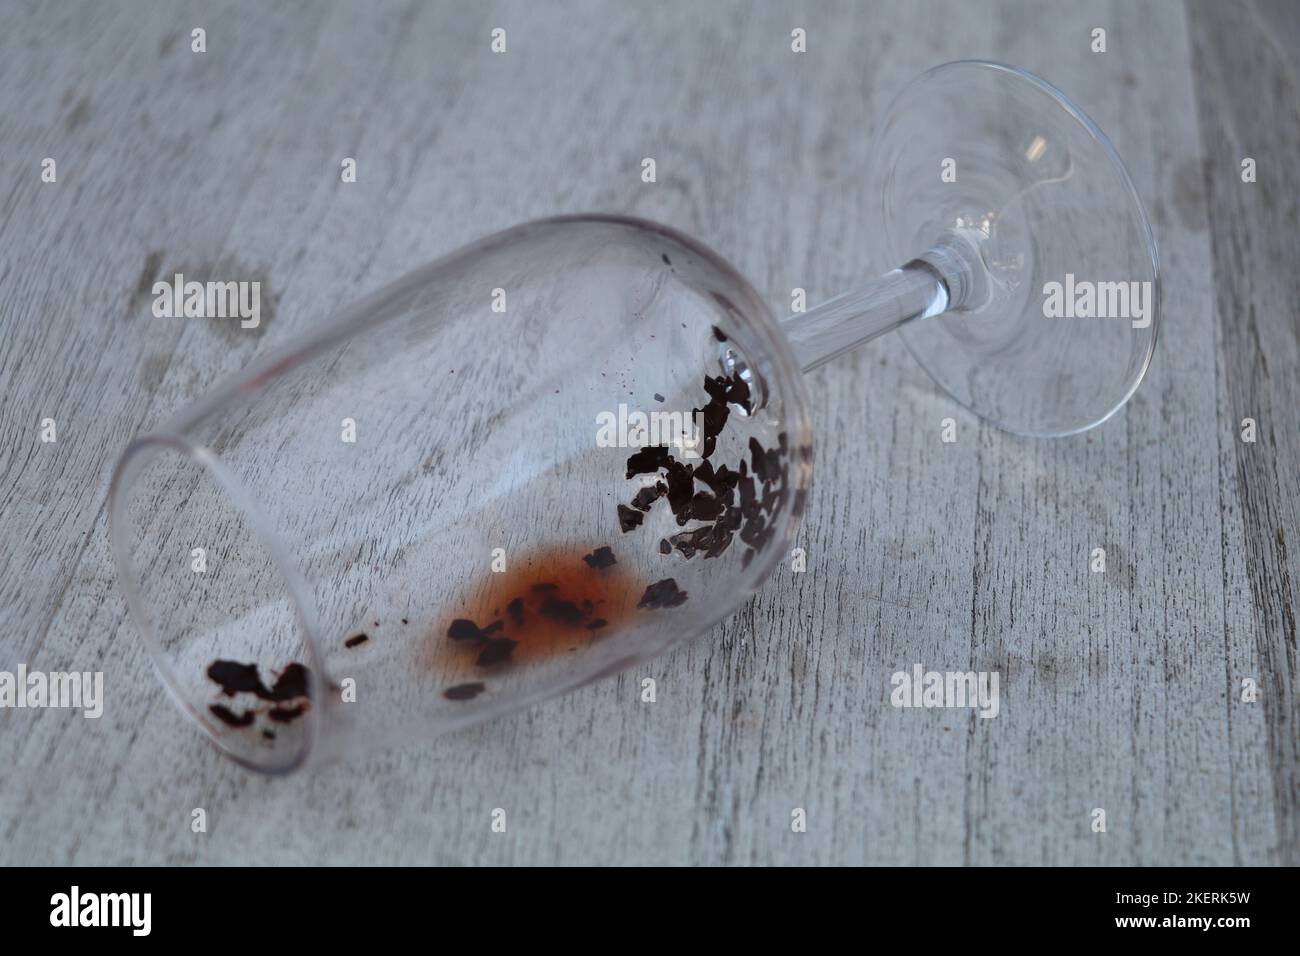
(1257, 308)
(1120, 690)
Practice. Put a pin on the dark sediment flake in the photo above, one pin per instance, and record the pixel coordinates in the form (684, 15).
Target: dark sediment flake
(230, 718)
(716, 388)
(760, 461)
(749, 505)
(463, 691)
(236, 678)
(738, 394)
(689, 542)
(647, 461)
(647, 496)
(291, 683)
(600, 559)
(664, 546)
(715, 420)
(710, 539)
(662, 594)
(629, 518)
(516, 610)
(721, 541)
(726, 481)
(705, 507)
(356, 640)
(773, 465)
(465, 630)
(496, 651)
(722, 481)
(724, 391)
(681, 487)
(727, 499)
(282, 715)
(752, 532)
(564, 611)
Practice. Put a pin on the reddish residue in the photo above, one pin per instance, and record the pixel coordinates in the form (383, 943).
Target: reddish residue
(548, 602)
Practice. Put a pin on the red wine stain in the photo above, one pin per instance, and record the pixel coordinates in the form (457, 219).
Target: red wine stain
(547, 603)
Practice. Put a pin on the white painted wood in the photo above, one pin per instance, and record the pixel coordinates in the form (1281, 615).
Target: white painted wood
(1120, 690)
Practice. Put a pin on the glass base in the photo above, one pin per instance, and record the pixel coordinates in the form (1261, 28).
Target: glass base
(1063, 324)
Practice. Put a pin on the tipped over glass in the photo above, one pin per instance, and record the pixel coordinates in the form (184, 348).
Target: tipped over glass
(559, 451)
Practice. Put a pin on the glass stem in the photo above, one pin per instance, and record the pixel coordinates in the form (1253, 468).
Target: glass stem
(856, 317)
(949, 277)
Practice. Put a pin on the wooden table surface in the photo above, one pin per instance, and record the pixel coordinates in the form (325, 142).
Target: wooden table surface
(1120, 690)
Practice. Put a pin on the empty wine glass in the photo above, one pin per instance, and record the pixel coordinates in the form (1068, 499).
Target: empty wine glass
(566, 447)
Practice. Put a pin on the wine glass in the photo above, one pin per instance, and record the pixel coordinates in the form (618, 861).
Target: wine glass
(562, 449)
